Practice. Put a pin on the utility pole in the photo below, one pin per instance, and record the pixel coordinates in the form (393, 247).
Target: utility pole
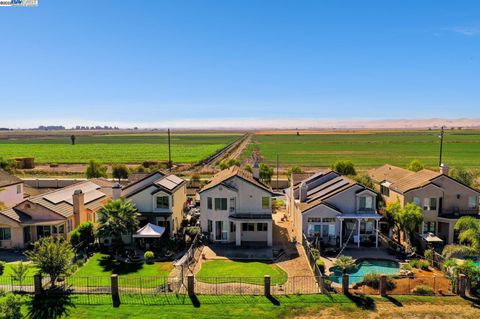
(169, 152)
(277, 171)
(441, 147)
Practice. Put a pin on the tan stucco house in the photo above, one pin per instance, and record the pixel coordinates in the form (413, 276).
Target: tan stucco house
(54, 213)
(160, 199)
(11, 190)
(443, 199)
(236, 207)
(333, 208)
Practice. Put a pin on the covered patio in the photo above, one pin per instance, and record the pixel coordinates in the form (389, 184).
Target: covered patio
(360, 227)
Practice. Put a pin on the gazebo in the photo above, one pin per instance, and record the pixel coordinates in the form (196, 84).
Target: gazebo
(149, 232)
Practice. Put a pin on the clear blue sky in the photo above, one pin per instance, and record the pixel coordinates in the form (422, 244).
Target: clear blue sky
(163, 61)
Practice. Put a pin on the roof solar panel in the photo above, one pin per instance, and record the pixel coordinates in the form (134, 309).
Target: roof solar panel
(175, 179)
(64, 195)
(324, 185)
(328, 190)
(167, 184)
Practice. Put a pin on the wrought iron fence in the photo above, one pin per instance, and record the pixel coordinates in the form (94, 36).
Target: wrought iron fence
(12, 284)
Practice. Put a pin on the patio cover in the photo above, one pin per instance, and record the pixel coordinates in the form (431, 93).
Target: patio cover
(431, 238)
(150, 231)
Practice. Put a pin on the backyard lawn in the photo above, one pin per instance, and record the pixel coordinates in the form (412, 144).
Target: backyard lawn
(6, 277)
(100, 267)
(223, 271)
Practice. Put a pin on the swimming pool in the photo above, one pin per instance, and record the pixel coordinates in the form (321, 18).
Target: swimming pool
(366, 266)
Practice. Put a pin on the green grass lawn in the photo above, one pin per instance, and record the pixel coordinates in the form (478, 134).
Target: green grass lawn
(6, 277)
(222, 271)
(100, 267)
(121, 148)
(308, 306)
(366, 150)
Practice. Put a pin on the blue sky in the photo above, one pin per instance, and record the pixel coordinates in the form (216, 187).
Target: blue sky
(157, 62)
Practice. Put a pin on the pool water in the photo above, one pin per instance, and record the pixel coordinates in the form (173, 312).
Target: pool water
(366, 266)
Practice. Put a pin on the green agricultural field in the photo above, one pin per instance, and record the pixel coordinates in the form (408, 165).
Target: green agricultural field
(118, 148)
(369, 149)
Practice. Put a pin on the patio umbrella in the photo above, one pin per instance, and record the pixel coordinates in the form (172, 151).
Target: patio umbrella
(150, 231)
(431, 238)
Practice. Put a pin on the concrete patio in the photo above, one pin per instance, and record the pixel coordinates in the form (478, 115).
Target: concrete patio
(230, 251)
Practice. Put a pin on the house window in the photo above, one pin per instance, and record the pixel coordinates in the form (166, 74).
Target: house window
(69, 225)
(314, 229)
(429, 227)
(430, 203)
(19, 188)
(328, 220)
(220, 204)
(248, 227)
(221, 230)
(5, 233)
(385, 190)
(233, 227)
(27, 236)
(417, 201)
(209, 203)
(262, 226)
(44, 231)
(162, 202)
(265, 202)
(472, 202)
(314, 220)
(366, 228)
(232, 205)
(366, 203)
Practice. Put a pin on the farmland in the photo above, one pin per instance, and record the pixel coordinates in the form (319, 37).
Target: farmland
(367, 148)
(113, 148)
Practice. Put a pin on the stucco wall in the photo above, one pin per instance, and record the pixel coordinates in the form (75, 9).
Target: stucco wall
(9, 196)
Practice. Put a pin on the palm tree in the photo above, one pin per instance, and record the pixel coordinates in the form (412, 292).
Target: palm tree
(117, 217)
(345, 263)
(468, 229)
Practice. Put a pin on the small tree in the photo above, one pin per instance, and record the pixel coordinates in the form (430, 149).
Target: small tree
(120, 171)
(229, 163)
(95, 170)
(410, 218)
(248, 168)
(345, 263)
(82, 236)
(73, 138)
(463, 176)
(19, 272)
(344, 168)
(265, 173)
(393, 217)
(117, 217)
(8, 165)
(294, 170)
(53, 256)
(415, 166)
(195, 179)
(365, 180)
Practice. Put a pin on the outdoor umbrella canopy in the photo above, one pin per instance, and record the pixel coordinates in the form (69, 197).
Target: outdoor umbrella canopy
(150, 231)
(431, 238)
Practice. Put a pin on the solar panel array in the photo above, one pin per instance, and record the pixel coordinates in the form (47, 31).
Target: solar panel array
(169, 182)
(65, 195)
(340, 182)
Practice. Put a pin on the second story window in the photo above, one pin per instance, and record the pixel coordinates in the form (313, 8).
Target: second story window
(430, 203)
(472, 202)
(417, 201)
(366, 203)
(209, 203)
(232, 204)
(265, 202)
(162, 202)
(385, 190)
(220, 204)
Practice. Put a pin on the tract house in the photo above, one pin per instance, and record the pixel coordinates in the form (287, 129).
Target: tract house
(11, 190)
(160, 199)
(54, 213)
(443, 199)
(235, 207)
(333, 209)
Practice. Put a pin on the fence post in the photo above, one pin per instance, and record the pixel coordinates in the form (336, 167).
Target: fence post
(37, 283)
(191, 285)
(462, 285)
(383, 285)
(266, 286)
(114, 289)
(345, 282)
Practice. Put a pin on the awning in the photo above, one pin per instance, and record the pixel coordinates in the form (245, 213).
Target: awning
(150, 231)
(360, 216)
(431, 238)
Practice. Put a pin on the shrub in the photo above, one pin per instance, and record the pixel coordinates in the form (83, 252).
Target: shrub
(423, 290)
(2, 267)
(373, 280)
(82, 236)
(419, 264)
(344, 168)
(95, 170)
(407, 267)
(149, 255)
(120, 171)
(321, 265)
(415, 166)
(10, 308)
(315, 253)
(192, 231)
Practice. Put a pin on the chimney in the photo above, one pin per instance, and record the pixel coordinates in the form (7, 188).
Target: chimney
(444, 169)
(302, 192)
(78, 205)
(256, 170)
(116, 191)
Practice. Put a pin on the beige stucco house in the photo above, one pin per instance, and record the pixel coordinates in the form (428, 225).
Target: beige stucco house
(11, 190)
(54, 213)
(333, 208)
(443, 199)
(160, 199)
(236, 207)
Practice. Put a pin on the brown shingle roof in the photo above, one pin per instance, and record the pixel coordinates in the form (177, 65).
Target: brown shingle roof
(15, 215)
(7, 179)
(231, 172)
(401, 179)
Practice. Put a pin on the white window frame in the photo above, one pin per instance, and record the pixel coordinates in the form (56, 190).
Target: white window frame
(474, 200)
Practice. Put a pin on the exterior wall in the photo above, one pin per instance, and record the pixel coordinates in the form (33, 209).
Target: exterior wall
(320, 211)
(452, 189)
(9, 195)
(393, 197)
(39, 212)
(429, 191)
(16, 233)
(347, 201)
(179, 200)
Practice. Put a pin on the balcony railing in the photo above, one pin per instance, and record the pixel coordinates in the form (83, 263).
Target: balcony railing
(459, 212)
